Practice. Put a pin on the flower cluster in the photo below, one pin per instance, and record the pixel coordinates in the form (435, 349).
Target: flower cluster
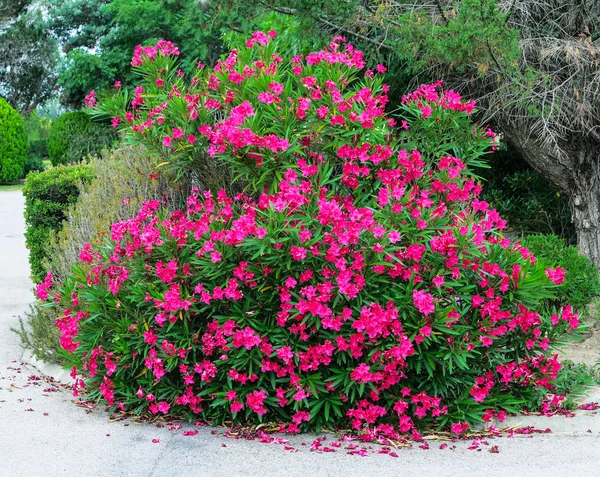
(365, 282)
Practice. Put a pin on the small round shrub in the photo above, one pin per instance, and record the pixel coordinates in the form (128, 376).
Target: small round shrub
(360, 282)
(582, 279)
(13, 144)
(74, 136)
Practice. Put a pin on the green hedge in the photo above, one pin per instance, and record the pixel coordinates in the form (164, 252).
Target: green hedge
(582, 282)
(47, 195)
(74, 136)
(13, 144)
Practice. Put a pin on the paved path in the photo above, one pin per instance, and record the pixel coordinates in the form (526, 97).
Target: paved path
(43, 433)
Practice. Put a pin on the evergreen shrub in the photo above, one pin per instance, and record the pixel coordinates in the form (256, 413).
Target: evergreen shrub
(359, 281)
(74, 136)
(13, 144)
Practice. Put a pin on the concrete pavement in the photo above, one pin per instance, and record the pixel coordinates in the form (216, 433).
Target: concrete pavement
(43, 432)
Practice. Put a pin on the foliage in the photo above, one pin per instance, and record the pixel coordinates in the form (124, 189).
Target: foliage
(362, 281)
(29, 58)
(13, 144)
(33, 163)
(74, 136)
(582, 282)
(112, 28)
(529, 203)
(123, 180)
(574, 380)
(47, 195)
(37, 128)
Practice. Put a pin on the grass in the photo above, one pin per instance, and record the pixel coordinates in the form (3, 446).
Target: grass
(11, 187)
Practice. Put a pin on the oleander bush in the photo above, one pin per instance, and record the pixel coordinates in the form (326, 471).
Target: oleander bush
(358, 281)
(47, 196)
(123, 179)
(13, 144)
(74, 136)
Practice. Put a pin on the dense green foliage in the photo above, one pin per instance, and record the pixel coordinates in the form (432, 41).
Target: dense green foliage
(13, 144)
(47, 196)
(529, 203)
(122, 180)
(582, 283)
(74, 136)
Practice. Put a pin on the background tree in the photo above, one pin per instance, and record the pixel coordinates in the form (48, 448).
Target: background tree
(28, 56)
(99, 37)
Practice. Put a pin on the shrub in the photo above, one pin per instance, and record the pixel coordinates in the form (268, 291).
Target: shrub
(582, 282)
(47, 195)
(74, 136)
(38, 148)
(13, 144)
(363, 283)
(123, 180)
(33, 163)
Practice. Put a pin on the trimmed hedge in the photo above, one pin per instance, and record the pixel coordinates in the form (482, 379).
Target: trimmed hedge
(74, 136)
(13, 144)
(47, 195)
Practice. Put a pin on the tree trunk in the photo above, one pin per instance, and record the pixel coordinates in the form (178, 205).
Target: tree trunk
(585, 205)
(577, 175)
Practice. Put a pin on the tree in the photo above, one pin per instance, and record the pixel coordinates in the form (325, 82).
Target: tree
(533, 66)
(99, 37)
(29, 57)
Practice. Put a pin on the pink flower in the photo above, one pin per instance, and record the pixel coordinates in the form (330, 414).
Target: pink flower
(230, 395)
(459, 427)
(236, 406)
(557, 275)
(424, 302)
(255, 402)
(42, 289)
(298, 253)
(167, 141)
(301, 416)
(267, 97)
(90, 99)
(276, 87)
